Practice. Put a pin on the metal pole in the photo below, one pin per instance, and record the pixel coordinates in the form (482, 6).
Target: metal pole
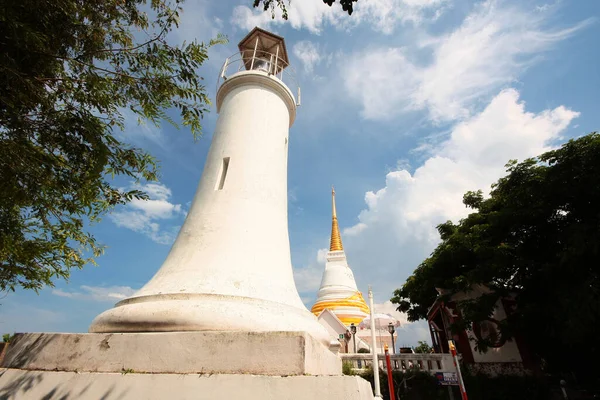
(461, 384)
(388, 363)
(354, 340)
(276, 60)
(374, 348)
(393, 345)
(379, 335)
(254, 54)
(224, 68)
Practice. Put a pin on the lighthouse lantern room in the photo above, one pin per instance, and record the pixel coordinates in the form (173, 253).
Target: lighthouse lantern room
(264, 51)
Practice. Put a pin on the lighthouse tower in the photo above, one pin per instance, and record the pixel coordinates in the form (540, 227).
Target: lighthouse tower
(230, 266)
(338, 291)
(221, 319)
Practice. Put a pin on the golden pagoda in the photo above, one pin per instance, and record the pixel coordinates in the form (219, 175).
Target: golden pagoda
(338, 291)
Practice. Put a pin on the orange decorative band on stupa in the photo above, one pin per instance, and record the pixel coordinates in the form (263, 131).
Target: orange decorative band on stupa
(355, 300)
(350, 320)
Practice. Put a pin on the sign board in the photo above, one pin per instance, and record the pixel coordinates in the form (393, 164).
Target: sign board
(447, 378)
(341, 336)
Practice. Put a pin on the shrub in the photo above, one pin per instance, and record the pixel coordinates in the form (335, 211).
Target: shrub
(420, 385)
(501, 387)
(7, 337)
(347, 368)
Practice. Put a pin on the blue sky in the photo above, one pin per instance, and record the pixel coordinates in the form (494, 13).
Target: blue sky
(406, 105)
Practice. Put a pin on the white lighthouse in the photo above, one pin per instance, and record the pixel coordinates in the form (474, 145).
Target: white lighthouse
(230, 266)
(221, 319)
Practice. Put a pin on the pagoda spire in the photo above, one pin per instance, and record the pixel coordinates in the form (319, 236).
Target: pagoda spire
(338, 291)
(336, 239)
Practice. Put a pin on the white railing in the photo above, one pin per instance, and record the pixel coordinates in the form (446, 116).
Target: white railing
(264, 62)
(429, 362)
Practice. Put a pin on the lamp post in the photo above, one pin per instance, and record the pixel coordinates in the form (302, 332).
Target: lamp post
(374, 348)
(353, 330)
(391, 330)
(347, 336)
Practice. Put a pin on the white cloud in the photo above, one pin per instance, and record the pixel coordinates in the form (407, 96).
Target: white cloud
(156, 191)
(355, 230)
(143, 215)
(159, 209)
(397, 229)
(322, 257)
(386, 15)
(408, 334)
(20, 317)
(308, 278)
(383, 80)
(196, 22)
(308, 14)
(314, 15)
(139, 131)
(308, 53)
(97, 293)
(493, 44)
(388, 308)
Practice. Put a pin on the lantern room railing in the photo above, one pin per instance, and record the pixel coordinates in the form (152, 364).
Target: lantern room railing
(267, 63)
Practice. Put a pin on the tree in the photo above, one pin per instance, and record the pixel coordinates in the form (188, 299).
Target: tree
(7, 337)
(537, 238)
(272, 5)
(68, 71)
(423, 347)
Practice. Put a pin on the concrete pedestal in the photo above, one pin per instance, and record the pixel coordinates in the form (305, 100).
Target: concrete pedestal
(35, 385)
(175, 365)
(259, 353)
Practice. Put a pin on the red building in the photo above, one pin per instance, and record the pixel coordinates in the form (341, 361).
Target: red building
(503, 355)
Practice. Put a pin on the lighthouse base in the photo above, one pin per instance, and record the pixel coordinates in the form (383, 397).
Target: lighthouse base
(175, 365)
(212, 352)
(202, 312)
(37, 385)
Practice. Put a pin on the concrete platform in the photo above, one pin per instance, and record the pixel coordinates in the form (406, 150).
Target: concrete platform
(36, 385)
(257, 353)
(175, 365)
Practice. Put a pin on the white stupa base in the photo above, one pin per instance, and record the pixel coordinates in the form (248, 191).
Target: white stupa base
(35, 385)
(207, 312)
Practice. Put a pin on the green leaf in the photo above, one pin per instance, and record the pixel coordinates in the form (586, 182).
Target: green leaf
(68, 70)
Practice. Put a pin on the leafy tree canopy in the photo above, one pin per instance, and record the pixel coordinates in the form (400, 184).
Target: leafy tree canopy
(536, 237)
(423, 347)
(272, 5)
(68, 70)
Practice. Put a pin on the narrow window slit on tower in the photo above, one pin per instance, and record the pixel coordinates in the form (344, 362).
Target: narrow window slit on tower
(224, 168)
